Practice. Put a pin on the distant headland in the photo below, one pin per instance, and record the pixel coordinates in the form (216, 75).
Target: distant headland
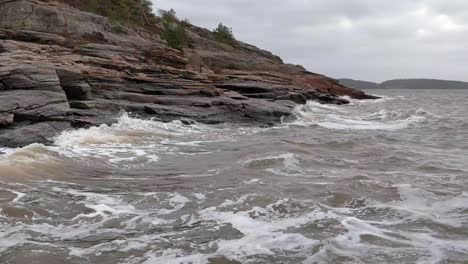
(406, 84)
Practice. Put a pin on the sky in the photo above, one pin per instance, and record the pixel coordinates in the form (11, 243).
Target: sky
(373, 40)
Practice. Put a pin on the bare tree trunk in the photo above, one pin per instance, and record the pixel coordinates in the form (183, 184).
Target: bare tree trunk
(146, 18)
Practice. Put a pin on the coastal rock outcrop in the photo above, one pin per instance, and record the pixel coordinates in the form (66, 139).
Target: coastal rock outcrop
(61, 68)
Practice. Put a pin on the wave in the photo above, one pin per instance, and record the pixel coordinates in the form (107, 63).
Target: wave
(357, 117)
(381, 99)
(284, 164)
(134, 142)
(33, 161)
(127, 130)
(129, 142)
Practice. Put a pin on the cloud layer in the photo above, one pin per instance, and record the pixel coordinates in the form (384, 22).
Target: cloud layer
(363, 39)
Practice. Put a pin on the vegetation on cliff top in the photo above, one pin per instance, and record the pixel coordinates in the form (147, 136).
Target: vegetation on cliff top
(131, 12)
(139, 13)
(175, 35)
(224, 34)
(173, 30)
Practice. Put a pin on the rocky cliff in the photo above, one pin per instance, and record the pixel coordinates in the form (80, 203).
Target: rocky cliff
(62, 68)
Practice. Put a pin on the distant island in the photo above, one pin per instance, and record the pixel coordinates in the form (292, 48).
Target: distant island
(405, 84)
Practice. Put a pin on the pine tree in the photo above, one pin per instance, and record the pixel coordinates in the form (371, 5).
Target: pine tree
(224, 34)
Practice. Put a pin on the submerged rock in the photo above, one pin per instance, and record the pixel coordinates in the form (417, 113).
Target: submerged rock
(61, 67)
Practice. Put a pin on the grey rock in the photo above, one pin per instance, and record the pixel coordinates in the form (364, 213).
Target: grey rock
(6, 119)
(74, 85)
(19, 75)
(33, 104)
(32, 133)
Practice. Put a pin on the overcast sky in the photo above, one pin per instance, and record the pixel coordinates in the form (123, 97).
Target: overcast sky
(363, 39)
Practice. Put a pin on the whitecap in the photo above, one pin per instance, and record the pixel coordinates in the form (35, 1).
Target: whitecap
(351, 117)
(263, 233)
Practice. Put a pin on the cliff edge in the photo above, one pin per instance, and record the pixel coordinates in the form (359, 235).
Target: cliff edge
(63, 68)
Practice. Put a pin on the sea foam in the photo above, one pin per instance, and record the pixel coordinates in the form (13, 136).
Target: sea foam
(355, 117)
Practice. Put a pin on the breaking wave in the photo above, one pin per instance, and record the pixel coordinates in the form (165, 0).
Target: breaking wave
(31, 162)
(131, 141)
(127, 143)
(359, 115)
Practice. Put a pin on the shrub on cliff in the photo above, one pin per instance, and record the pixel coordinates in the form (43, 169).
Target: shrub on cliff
(224, 34)
(175, 35)
(131, 12)
(173, 31)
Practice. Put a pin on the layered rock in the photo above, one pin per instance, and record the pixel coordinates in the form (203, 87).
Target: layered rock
(62, 68)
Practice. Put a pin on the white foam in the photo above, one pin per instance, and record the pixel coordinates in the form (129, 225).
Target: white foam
(126, 130)
(382, 99)
(172, 256)
(131, 142)
(200, 196)
(239, 201)
(264, 230)
(10, 239)
(253, 181)
(423, 204)
(19, 196)
(415, 205)
(105, 208)
(352, 117)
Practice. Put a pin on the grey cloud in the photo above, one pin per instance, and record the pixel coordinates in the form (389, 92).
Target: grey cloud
(365, 39)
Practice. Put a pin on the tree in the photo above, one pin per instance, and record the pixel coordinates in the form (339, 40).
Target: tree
(224, 34)
(168, 15)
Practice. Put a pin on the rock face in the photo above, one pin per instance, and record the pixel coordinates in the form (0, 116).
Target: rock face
(62, 68)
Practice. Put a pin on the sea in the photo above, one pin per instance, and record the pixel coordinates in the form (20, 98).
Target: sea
(375, 181)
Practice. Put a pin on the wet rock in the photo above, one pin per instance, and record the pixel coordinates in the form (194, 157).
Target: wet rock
(31, 133)
(33, 105)
(74, 85)
(6, 119)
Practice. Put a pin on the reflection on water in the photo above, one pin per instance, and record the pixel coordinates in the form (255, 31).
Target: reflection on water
(381, 181)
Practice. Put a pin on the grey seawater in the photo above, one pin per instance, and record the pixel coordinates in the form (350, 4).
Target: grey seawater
(382, 181)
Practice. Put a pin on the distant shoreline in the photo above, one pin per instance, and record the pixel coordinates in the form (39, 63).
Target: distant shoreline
(407, 84)
(391, 88)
